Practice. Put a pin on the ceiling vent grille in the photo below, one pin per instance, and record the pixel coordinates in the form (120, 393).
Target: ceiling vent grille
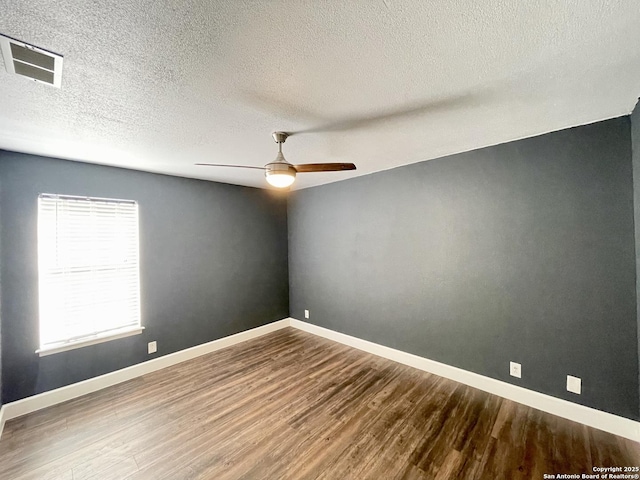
(31, 62)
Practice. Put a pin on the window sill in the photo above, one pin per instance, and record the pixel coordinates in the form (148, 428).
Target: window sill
(105, 337)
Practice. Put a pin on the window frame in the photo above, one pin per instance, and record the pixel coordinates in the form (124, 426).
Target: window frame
(102, 336)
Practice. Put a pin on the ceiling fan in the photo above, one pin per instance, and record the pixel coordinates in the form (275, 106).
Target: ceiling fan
(281, 173)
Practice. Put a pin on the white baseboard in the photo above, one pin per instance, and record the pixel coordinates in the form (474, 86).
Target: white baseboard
(69, 392)
(556, 406)
(562, 408)
(1, 420)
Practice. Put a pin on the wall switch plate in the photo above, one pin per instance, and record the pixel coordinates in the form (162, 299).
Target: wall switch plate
(515, 369)
(574, 384)
(152, 347)
(306, 314)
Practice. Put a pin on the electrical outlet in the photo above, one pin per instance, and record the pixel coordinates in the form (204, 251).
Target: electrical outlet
(515, 369)
(152, 347)
(306, 314)
(574, 384)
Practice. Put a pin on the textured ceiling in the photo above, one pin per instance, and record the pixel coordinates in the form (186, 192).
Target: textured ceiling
(159, 86)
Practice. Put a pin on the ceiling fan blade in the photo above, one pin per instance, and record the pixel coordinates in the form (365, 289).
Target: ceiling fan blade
(223, 165)
(324, 167)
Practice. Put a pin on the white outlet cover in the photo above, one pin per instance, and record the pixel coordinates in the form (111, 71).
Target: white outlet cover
(153, 347)
(306, 314)
(574, 384)
(515, 369)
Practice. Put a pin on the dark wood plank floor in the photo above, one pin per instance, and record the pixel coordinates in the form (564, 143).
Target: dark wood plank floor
(294, 406)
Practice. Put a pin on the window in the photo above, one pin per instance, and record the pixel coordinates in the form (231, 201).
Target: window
(88, 265)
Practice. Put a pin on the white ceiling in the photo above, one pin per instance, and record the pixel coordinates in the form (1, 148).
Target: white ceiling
(159, 86)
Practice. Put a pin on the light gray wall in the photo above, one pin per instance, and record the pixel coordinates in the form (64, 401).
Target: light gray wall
(635, 149)
(213, 263)
(520, 252)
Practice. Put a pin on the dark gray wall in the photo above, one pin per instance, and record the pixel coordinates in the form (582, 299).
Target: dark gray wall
(519, 252)
(635, 150)
(213, 263)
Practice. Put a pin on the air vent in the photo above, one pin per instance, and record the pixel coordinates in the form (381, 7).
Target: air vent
(31, 62)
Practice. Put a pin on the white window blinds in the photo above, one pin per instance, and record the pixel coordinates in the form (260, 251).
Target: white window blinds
(88, 264)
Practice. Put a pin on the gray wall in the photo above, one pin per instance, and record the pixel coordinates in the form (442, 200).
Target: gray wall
(213, 263)
(635, 149)
(519, 252)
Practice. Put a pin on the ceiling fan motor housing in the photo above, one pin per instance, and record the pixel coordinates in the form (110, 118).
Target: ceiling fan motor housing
(279, 170)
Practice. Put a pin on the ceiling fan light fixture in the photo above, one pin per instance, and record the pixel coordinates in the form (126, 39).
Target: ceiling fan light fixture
(280, 180)
(280, 175)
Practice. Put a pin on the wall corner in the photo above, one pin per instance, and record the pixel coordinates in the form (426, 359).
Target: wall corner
(635, 160)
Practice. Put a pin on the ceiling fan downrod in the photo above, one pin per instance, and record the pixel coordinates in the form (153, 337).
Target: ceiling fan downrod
(280, 173)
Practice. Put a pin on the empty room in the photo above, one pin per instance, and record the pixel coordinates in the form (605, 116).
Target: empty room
(265, 239)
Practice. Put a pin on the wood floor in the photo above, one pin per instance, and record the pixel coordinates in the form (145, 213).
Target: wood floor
(290, 405)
